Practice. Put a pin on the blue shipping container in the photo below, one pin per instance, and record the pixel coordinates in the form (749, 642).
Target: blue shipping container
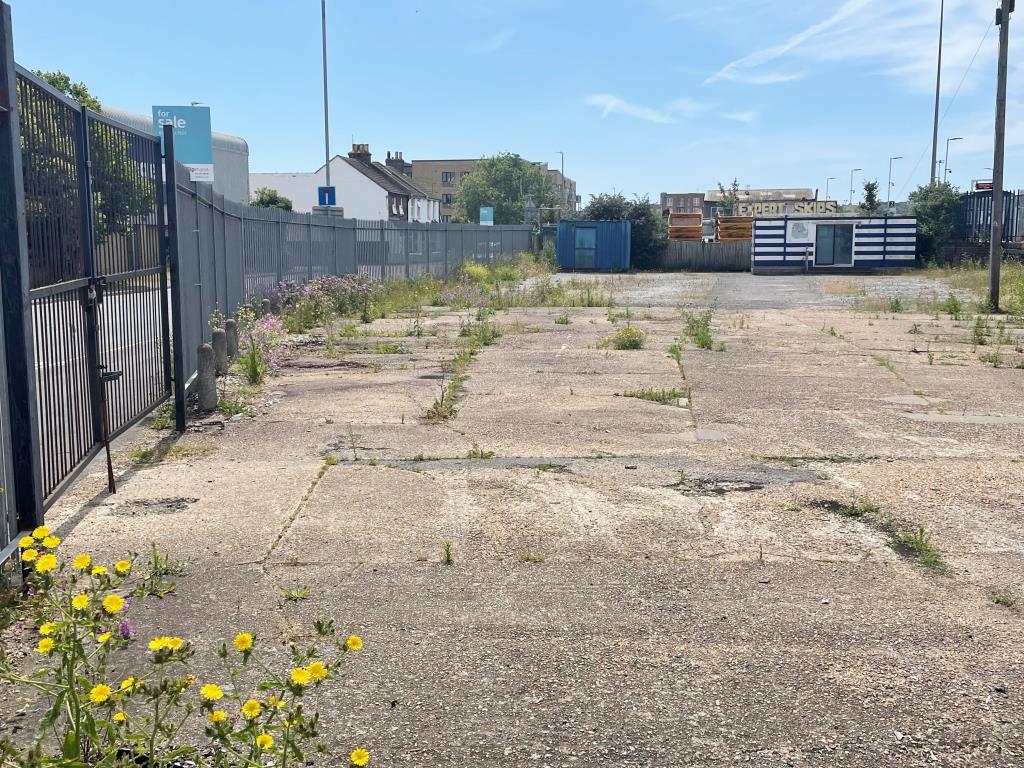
(593, 245)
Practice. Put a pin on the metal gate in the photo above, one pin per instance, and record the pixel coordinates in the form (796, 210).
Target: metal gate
(94, 218)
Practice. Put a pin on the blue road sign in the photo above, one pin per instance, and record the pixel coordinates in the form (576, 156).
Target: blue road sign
(487, 216)
(326, 196)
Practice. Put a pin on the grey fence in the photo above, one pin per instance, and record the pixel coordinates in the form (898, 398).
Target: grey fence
(229, 252)
(693, 256)
(973, 221)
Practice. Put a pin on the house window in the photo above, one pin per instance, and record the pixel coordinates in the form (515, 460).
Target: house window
(447, 198)
(447, 178)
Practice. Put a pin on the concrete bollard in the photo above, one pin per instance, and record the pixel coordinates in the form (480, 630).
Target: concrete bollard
(220, 351)
(265, 307)
(207, 383)
(231, 329)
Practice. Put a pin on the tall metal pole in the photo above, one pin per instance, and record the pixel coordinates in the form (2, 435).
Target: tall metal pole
(565, 198)
(852, 171)
(830, 178)
(996, 243)
(327, 127)
(888, 187)
(938, 84)
(946, 164)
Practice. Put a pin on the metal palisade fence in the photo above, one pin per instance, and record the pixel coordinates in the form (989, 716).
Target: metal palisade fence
(228, 252)
(111, 263)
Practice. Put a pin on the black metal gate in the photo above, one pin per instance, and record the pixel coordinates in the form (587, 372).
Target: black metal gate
(94, 218)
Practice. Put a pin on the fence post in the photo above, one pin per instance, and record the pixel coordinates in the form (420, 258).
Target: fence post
(281, 244)
(17, 308)
(445, 250)
(309, 254)
(180, 376)
(406, 236)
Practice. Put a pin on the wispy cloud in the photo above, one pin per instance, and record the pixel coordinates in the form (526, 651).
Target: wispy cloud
(610, 104)
(746, 116)
(745, 68)
(493, 43)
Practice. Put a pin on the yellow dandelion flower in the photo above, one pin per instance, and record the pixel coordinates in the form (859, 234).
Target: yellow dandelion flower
(251, 708)
(120, 717)
(26, 542)
(217, 716)
(45, 563)
(80, 602)
(99, 570)
(264, 741)
(47, 628)
(300, 676)
(175, 643)
(81, 562)
(113, 603)
(41, 532)
(159, 643)
(359, 757)
(101, 639)
(243, 641)
(354, 643)
(317, 671)
(45, 645)
(128, 683)
(190, 680)
(99, 693)
(275, 702)
(123, 566)
(211, 692)
(51, 542)
(30, 554)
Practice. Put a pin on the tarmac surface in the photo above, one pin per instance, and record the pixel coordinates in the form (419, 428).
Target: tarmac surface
(632, 583)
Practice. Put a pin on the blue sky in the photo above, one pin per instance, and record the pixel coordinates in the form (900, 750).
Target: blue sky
(643, 96)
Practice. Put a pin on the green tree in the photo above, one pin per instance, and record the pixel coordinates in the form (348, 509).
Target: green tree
(265, 197)
(730, 196)
(935, 206)
(870, 202)
(77, 91)
(504, 182)
(648, 231)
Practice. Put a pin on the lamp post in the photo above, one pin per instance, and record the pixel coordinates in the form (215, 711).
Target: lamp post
(830, 178)
(938, 82)
(954, 138)
(853, 171)
(564, 197)
(327, 136)
(888, 188)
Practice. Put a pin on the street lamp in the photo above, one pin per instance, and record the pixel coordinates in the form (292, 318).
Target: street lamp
(327, 137)
(888, 188)
(853, 171)
(830, 178)
(954, 138)
(565, 198)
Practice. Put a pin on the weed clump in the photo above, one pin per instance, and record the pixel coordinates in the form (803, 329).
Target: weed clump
(629, 337)
(662, 396)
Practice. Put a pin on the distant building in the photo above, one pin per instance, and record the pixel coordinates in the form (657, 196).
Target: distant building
(230, 155)
(365, 189)
(681, 202)
(441, 179)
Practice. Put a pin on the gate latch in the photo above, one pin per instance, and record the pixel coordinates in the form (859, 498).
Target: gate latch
(97, 285)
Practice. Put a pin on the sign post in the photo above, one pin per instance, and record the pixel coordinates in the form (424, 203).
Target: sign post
(193, 144)
(326, 196)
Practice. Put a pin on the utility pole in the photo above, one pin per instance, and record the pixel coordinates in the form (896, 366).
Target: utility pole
(888, 187)
(938, 83)
(946, 165)
(327, 127)
(995, 256)
(565, 198)
(852, 171)
(830, 178)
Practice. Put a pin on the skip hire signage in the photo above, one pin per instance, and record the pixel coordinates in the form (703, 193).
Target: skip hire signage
(193, 143)
(782, 207)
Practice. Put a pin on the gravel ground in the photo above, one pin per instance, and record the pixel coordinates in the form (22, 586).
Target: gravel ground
(633, 583)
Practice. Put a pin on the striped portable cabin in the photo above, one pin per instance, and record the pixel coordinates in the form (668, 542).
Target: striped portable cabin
(789, 243)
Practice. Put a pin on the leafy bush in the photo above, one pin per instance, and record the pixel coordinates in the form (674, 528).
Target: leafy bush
(629, 337)
(935, 206)
(108, 703)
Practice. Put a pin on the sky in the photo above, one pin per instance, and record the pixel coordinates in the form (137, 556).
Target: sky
(643, 97)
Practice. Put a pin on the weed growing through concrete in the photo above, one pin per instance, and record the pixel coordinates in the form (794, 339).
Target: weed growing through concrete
(476, 452)
(330, 461)
(915, 329)
(662, 396)
(1004, 599)
(719, 346)
(446, 548)
(629, 337)
(698, 328)
(562, 319)
(390, 348)
(675, 351)
(952, 306)
(980, 331)
(914, 542)
(531, 557)
(994, 358)
(896, 305)
(296, 593)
